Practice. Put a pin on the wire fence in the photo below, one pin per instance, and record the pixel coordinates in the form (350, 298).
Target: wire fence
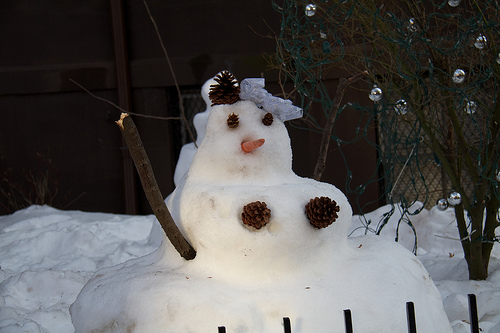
(416, 173)
(434, 75)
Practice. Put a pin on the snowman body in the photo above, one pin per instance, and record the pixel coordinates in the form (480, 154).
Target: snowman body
(248, 279)
(223, 179)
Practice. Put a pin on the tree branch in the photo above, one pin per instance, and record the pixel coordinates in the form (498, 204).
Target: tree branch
(179, 95)
(325, 140)
(151, 189)
(120, 108)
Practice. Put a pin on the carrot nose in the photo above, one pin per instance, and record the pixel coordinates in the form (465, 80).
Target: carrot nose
(249, 146)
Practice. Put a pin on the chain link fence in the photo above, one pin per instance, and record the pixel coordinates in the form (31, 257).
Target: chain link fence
(413, 172)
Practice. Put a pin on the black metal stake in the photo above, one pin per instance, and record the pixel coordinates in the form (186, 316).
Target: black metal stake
(410, 316)
(287, 325)
(348, 321)
(474, 322)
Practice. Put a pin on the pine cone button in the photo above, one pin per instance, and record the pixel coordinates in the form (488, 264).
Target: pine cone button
(322, 212)
(256, 214)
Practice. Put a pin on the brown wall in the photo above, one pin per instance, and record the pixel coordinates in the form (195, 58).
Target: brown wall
(47, 43)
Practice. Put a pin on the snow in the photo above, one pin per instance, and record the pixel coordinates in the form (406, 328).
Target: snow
(47, 255)
(38, 286)
(440, 252)
(119, 274)
(249, 279)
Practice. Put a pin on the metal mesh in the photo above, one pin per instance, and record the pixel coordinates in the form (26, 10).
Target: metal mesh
(412, 170)
(193, 104)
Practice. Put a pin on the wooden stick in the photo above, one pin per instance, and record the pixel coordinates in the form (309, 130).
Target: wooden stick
(325, 140)
(151, 189)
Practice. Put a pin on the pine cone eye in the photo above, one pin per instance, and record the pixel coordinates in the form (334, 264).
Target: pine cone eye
(233, 120)
(268, 119)
(256, 214)
(322, 212)
(226, 91)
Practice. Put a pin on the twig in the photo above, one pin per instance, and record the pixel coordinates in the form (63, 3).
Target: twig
(325, 140)
(457, 239)
(120, 108)
(151, 188)
(404, 166)
(179, 95)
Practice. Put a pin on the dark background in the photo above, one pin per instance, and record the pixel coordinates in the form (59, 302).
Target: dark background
(58, 140)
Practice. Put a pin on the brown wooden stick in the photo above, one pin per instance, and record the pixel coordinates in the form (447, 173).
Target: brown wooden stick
(325, 140)
(151, 189)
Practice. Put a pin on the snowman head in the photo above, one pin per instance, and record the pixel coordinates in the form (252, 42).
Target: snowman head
(243, 143)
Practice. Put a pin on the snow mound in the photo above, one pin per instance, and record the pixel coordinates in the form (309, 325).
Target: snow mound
(26, 307)
(247, 279)
(47, 256)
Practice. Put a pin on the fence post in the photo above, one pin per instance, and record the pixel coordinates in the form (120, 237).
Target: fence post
(222, 329)
(348, 321)
(287, 325)
(474, 322)
(410, 316)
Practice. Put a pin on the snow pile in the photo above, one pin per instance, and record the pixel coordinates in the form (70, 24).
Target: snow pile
(47, 255)
(248, 279)
(440, 251)
(36, 298)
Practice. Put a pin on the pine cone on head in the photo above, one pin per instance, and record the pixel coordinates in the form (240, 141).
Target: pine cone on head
(226, 91)
(322, 212)
(256, 214)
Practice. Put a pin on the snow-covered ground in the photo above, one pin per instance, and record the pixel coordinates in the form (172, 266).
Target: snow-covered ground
(47, 255)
